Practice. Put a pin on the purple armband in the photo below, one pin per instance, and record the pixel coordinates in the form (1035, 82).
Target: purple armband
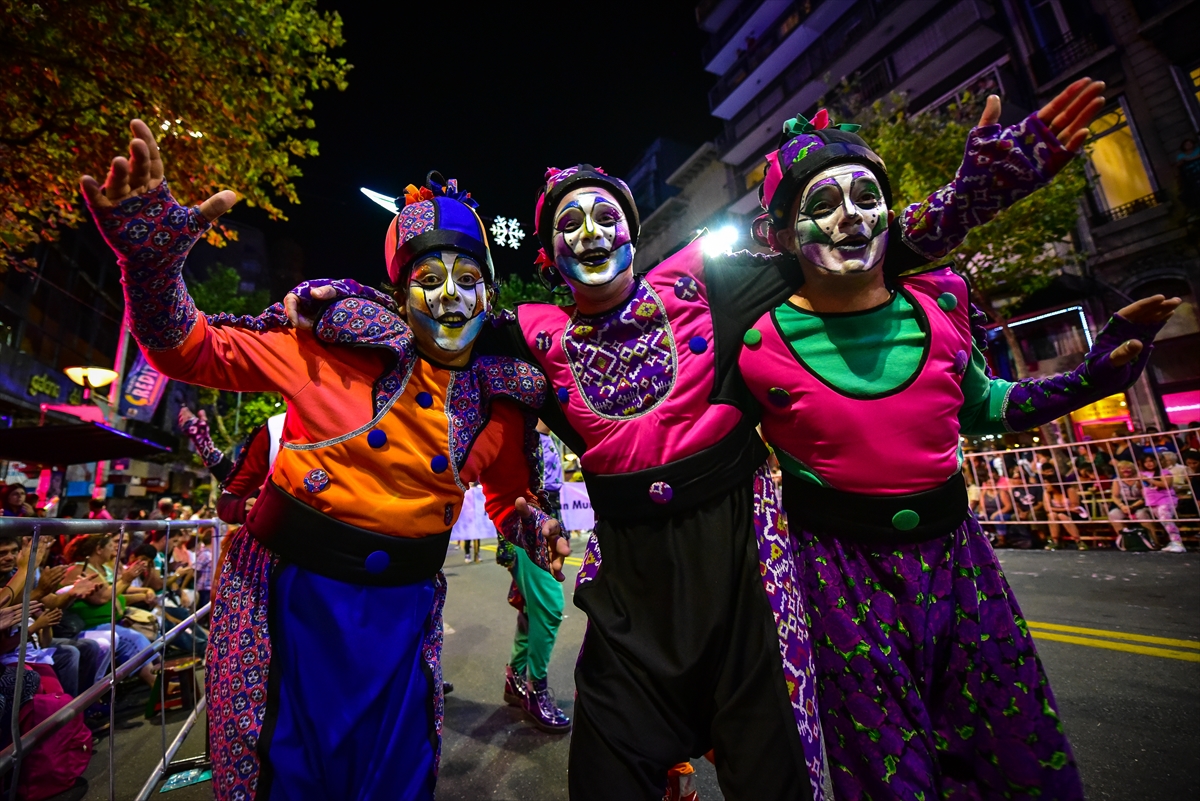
(1032, 402)
(527, 534)
(345, 288)
(197, 431)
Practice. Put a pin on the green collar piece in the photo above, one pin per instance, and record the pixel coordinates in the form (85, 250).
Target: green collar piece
(859, 354)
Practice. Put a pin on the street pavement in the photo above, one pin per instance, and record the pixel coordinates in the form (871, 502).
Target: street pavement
(1119, 634)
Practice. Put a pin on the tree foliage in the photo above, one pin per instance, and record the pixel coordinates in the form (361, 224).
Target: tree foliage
(220, 292)
(515, 289)
(224, 86)
(1018, 252)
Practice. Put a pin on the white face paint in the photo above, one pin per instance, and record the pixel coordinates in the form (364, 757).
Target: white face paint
(842, 221)
(591, 237)
(447, 303)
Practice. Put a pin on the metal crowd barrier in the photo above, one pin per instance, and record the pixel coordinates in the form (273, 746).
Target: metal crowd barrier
(1077, 500)
(12, 756)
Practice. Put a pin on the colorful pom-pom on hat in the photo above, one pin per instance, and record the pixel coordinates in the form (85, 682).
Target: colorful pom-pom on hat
(432, 217)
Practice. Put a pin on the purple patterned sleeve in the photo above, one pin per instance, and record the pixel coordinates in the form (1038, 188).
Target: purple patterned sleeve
(197, 431)
(1000, 166)
(151, 235)
(1032, 402)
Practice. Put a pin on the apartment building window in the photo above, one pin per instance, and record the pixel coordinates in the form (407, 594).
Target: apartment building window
(1120, 179)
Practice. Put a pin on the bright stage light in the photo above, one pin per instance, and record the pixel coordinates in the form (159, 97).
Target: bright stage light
(91, 377)
(720, 241)
(387, 201)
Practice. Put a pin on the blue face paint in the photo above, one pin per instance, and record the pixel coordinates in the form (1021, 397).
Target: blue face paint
(446, 304)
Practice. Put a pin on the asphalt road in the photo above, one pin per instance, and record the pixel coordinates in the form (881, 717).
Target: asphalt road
(1119, 634)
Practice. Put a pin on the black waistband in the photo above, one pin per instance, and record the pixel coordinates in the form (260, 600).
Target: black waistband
(682, 484)
(328, 547)
(918, 517)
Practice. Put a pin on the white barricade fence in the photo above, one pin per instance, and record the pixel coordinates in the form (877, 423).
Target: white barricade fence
(576, 507)
(1091, 490)
(38, 528)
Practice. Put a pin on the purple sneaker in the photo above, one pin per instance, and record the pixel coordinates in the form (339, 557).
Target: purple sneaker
(514, 688)
(540, 705)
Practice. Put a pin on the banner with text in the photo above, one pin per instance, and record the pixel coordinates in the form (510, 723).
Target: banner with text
(143, 390)
(576, 507)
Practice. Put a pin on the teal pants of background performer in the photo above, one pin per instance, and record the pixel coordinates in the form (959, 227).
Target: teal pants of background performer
(538, 630)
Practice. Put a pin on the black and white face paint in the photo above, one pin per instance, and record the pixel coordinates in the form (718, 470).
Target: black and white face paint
(842, 222)
(447, 303)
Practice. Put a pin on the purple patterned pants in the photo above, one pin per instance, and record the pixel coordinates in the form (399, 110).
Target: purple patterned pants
(928, 680)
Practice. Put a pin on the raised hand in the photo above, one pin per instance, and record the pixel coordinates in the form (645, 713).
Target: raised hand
(142, 172)
(1147, 311)
(558, 545)
(1069, 114)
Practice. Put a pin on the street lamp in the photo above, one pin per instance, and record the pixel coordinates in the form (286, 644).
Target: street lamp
(91, 378)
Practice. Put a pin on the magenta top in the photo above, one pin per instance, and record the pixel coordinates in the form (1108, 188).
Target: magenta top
(899, 442)
(635, 382)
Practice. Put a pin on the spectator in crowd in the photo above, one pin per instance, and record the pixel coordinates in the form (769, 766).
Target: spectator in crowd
(1027, 500)
(1128, 502)
(1062, 513)
(1191, 461)
(1091, 456)
(204, 566)
(10, 547)
(1161, 442)
(1179, 473)
(165, 510)
(96, 554)
(15, 502)
(139, 514)
(995, 504)
(1159, 492)
(97, 510)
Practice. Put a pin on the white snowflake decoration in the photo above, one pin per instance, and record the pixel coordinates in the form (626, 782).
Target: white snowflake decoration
(507, 231)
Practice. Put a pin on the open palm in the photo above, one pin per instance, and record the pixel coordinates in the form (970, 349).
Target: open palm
(142, 172)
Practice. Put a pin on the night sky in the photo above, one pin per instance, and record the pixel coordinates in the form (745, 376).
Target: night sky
(489, 96)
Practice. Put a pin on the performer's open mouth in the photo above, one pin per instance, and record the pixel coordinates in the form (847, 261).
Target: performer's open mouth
(853, 242)
(453, 319)
(594, 257)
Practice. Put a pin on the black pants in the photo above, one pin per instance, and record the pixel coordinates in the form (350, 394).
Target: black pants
(681, 656)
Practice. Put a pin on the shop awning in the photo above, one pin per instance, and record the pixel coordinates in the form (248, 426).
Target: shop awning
(72, 444)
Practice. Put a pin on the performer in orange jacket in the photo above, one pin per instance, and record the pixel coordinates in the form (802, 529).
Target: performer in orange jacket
(323, 666)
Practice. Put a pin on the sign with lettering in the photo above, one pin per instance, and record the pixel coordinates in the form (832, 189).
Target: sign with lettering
(143, 390)
(576, 507)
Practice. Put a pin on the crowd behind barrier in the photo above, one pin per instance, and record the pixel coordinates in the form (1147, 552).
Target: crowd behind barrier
(84, 606)
(1136, 492)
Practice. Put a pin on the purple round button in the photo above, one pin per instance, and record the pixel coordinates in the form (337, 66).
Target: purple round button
(562, 394)
(377, 562)
(686, 288)
(698, 344)
(424, 400)
(377, 438)
(961, 360)
(439, 463)
(661, 492)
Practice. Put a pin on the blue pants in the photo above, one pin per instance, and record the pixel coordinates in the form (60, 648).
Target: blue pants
(352, 717)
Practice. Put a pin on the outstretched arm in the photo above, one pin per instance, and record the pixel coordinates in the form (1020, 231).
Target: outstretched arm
(196, 428)
(152, 235)
(1000, 166)
(1115, 360)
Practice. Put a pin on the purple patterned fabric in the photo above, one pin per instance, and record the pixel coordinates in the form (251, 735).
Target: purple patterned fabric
(345, 288)
(624, 361)
(197, 431)
(797, 148)
(781, 581)
(1000, 166)
(591, 562)
(274, 317)
(151, 234)
(431, 655)
(1032, 402)
(352, 321)
(528, 535)
(238, 660)
(929, 683)
(472, 391)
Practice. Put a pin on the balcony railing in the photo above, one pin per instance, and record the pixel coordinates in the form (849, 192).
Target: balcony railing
(1127, 209)
(763, 47)
(1073, 49)
(721, 38)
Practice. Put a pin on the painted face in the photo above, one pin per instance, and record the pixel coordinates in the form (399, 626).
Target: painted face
(591, 237)
(841, 225)
(446, 304)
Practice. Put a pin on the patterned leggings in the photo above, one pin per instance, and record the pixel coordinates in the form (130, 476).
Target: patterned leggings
(929, 684)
